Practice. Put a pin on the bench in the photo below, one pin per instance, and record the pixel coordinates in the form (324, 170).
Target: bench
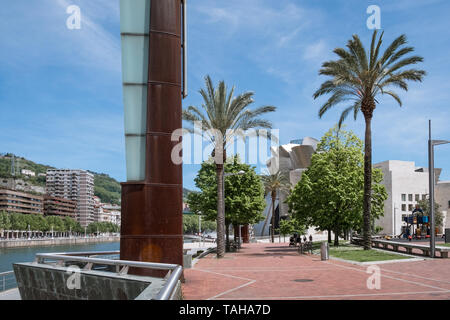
(408, 247)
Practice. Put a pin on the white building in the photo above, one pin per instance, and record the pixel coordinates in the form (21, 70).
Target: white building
(442, 196)
(114, 213)
(406, 184)
(104, 212)
(27, 172)
(291, 159)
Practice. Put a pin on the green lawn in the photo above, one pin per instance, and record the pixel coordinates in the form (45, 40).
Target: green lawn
(443, 245)
(350, 252)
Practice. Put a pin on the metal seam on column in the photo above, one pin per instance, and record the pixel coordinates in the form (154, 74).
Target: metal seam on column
(134, 34)
(135, 135)
(166, 33)
(134, 84)
(165, 83)
(164, 236)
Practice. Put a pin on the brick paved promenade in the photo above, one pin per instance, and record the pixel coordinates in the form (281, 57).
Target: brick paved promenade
(277, 272)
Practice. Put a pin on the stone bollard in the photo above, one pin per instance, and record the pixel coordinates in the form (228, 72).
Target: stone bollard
(324, 251)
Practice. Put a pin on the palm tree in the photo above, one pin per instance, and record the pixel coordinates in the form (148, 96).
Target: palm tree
(361, 77)
(224, 115)
(273, 184)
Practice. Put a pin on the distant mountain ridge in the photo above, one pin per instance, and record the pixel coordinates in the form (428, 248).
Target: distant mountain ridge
(106, 188)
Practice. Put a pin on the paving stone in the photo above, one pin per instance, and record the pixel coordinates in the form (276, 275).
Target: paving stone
(274, 271)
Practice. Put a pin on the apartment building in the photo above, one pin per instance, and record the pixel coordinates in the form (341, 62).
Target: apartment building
(13, 201)
(76, 185)
(60, 207)
(104, 212)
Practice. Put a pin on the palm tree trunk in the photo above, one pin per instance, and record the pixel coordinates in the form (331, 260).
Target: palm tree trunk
(220, 212)
(265, 223)
(367, 205)
(273, 218)
(227, 234)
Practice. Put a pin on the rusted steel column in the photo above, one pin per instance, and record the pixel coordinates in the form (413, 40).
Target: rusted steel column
(152, 210)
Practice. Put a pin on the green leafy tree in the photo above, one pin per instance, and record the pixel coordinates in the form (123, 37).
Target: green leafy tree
(18, 221)
(329, 195)
(5, 222)
(362, 76)
(220, 115)
(291, 226)
(244, 196)
(191, 224)
(438, 215)
(273, 185)
(102, 227)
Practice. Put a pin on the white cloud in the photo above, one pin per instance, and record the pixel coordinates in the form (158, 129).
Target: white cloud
(316, 51)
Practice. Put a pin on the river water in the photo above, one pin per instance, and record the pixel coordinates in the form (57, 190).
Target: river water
(14, 255)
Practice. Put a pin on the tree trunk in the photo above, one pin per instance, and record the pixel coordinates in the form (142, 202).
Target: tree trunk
(273, 217)
(336, 238)
(367, 205)
(329, 236)
(227, 234)
(220, 212)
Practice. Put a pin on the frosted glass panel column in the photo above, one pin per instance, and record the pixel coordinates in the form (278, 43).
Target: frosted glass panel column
(134, 28)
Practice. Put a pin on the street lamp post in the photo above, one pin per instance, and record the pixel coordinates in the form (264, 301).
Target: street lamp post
(240, 173)
(431, 174)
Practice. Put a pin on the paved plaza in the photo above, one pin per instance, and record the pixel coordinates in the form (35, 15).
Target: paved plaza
(276, 272)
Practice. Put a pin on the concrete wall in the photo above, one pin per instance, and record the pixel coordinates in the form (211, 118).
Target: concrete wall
(401, 177)
(442, 198)
(47, 282)
(53, 242)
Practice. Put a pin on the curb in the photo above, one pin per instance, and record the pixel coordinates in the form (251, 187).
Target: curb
(202, 255)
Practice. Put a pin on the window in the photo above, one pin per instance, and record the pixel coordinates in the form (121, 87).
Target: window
(404, 207)
(403, 197)
(417, 197)
(424, 197)
(410, 207)
(449, 204)
(410, 197)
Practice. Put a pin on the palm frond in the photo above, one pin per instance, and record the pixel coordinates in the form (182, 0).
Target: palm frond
(401, 40)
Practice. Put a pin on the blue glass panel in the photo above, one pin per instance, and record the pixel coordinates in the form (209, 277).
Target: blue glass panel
(135, 59)
(135, 102)
(135, 156)
(135, 16)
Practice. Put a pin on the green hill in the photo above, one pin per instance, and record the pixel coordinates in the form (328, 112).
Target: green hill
(22, 163)
(107, 188)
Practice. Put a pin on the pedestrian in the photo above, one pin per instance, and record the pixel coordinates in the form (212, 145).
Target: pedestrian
(304, 239)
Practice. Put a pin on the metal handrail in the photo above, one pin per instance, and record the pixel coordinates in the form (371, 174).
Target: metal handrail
(3, 276)
(122, 267)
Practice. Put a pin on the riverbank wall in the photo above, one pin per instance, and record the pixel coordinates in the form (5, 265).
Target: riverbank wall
(20, 243)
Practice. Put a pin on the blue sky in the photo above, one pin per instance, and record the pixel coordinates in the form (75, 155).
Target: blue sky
(61, 95)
